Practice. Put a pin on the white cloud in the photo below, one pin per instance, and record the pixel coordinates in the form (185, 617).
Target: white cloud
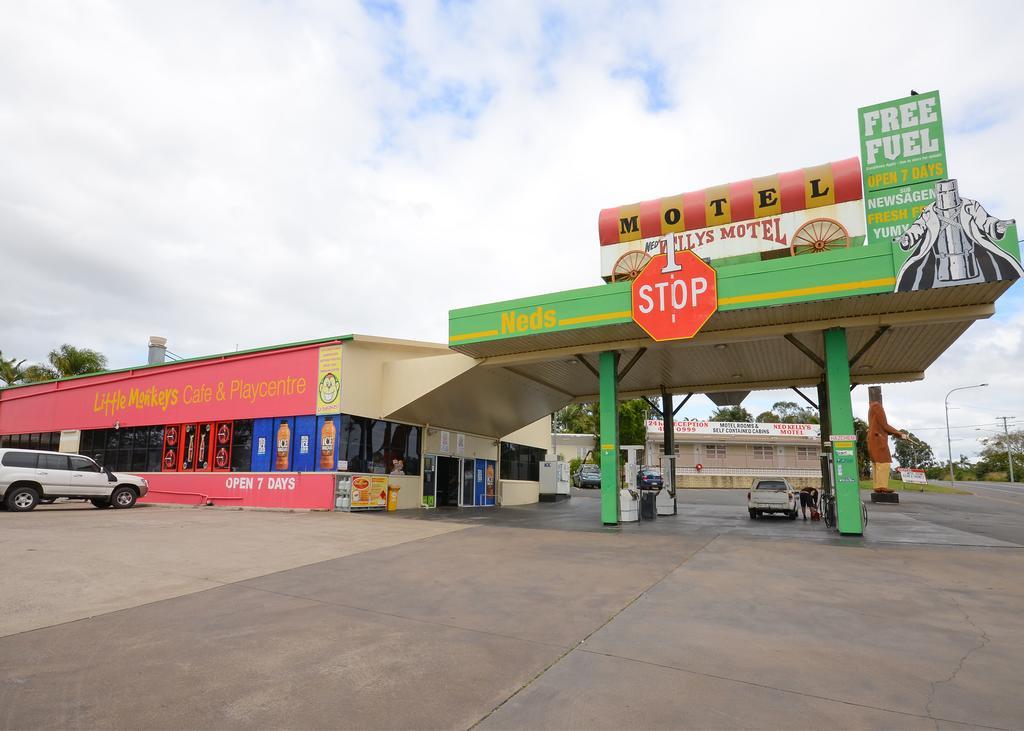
(240, 173)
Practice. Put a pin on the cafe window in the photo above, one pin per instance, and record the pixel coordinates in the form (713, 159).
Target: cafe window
(48, 441)
(131, 449)
(241, 446)
(375, 445)
(519, 462)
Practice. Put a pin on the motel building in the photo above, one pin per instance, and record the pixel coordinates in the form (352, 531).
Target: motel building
(732, 454)
(823, 279)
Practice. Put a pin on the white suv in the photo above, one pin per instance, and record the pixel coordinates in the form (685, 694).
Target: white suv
(772, 495)
(27, 476)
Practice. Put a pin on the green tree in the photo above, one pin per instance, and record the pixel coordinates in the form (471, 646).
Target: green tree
(731, 413)
(860, 428)
(788, 412)
(575, 419)
(994, 456)
(12, 370)
(65, 361)
(913, 452)
(633, 415)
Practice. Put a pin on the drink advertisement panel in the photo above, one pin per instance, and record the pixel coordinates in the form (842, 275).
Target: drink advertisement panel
(369, 491)
(262, 441)
(282, 456)
(239, 387)
(204, 447)
(172, 443)
(328, 381)
(187, 463)
(222, 446)
(327, 442)
(304, 447)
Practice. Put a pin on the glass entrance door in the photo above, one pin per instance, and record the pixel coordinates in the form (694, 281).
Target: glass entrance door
(429, 481)
(467, 493)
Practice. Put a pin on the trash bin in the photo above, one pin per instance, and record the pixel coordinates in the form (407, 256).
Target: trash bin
(393, 498)
(648, 504)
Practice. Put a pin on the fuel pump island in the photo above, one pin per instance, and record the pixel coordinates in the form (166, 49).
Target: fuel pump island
(855, 272)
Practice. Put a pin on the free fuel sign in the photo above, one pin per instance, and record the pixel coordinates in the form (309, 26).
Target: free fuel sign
(674, 295)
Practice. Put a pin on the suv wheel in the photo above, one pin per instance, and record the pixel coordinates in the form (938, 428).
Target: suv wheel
(21, 499)
(99, 502)
(123, 497)
(753, 513)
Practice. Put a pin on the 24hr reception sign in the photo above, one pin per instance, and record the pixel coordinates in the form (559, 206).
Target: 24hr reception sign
(903, 151)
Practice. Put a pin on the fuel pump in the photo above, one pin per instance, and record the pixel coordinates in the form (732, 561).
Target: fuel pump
(629, 495)
(666, 501)
(827, 499)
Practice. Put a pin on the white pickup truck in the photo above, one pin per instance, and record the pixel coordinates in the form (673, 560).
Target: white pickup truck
(772, 495)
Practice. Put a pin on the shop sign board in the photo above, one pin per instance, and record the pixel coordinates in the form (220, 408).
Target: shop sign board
(891, 212)
(278, 382)
(784, 233)
(903, 151)
(726, 221)
(306, 491)
(674, 295)
(913, 476)
(328, 381)
(736, 428)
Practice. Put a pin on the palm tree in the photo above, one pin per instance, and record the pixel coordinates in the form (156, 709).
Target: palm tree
(11, 371)
(65, 361)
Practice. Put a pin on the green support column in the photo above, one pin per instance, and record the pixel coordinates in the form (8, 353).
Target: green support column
(608, 365)
(840, 412)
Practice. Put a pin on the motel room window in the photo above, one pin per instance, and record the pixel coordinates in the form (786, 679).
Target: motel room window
(763, 452)
(519, 462)
(806, 453)
(714, 451)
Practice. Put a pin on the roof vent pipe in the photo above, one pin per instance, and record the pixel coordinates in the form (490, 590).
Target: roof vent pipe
(157, 349)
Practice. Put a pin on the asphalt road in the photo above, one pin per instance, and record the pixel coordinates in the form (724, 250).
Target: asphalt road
(530, 617)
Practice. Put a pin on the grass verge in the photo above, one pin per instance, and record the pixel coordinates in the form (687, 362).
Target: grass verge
(899, 486)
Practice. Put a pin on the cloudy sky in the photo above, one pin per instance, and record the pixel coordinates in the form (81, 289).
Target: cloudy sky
(246, 173)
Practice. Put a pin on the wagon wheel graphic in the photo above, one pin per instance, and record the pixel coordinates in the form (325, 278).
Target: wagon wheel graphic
(629, 266)
(817, 235)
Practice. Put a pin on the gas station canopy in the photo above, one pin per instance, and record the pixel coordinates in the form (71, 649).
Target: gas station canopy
(766, 333)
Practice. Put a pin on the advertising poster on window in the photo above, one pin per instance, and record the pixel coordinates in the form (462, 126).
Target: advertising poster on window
(328, 381)
(222, 447)
(203, 444)
(444, 442)
(369, 491)
(460, 443)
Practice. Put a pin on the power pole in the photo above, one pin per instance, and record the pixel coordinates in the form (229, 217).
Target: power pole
(1009, 452)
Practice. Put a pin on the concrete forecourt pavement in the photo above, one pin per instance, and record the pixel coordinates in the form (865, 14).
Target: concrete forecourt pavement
(525, 617)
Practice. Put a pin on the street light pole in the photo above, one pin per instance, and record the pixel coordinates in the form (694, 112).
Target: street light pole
(1009, 452)
(949, 441)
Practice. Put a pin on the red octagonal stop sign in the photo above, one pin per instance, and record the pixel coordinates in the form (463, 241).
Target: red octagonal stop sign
(673, 299)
